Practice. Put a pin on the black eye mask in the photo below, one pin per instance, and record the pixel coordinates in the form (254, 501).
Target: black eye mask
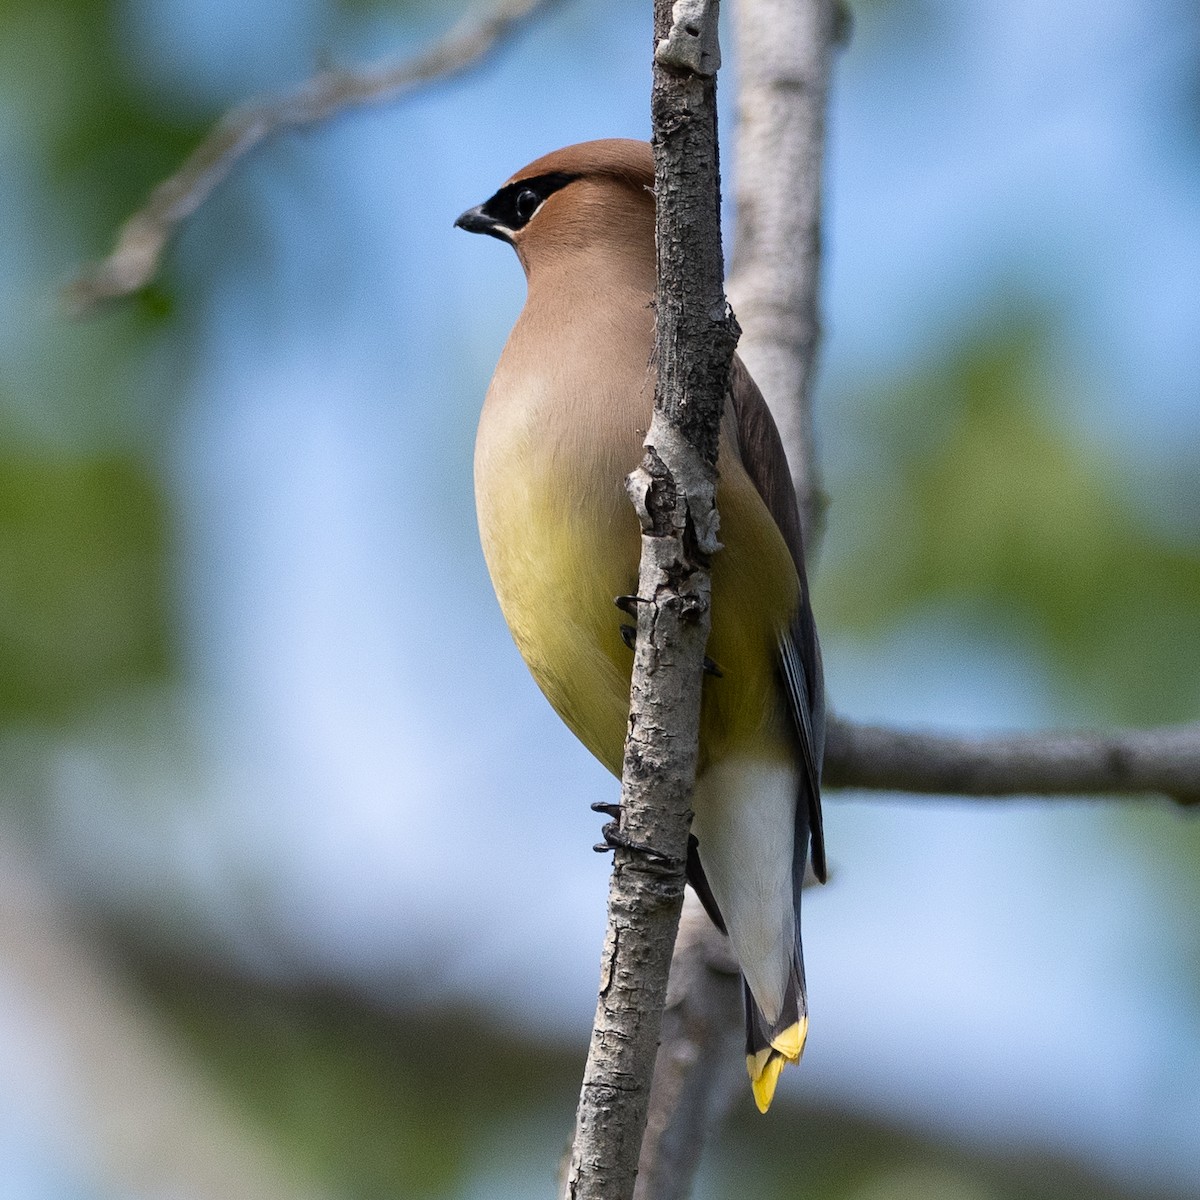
(513, 205)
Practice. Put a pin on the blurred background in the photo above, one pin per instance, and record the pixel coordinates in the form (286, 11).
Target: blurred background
(296, 890)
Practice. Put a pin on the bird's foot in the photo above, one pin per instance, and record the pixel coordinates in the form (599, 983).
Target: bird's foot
(614, 839)
(628, 605)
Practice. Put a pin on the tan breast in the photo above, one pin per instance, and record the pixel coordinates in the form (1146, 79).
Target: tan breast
(562, 426)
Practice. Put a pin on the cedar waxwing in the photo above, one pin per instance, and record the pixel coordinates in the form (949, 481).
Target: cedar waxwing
(562, 425)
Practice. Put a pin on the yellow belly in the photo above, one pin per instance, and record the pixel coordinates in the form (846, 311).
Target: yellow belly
(562, 543)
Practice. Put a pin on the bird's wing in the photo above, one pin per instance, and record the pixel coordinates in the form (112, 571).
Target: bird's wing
(766, 463)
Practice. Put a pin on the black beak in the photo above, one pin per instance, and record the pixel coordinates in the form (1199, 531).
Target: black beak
(475, 220)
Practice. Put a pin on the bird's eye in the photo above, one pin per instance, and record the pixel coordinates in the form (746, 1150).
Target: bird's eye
(527, 203)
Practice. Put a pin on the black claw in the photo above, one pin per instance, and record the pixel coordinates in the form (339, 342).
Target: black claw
(629, 635)
(609, 810)
(711, 668)
(611, 833)
(614, 839)
(628, 604)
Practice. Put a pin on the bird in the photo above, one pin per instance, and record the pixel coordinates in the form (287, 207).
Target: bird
(563, 422)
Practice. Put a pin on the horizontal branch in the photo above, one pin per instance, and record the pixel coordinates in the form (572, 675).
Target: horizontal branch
(143, 239)
(1165, 760)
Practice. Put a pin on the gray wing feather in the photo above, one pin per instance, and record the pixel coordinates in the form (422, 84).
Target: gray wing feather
(763, 456)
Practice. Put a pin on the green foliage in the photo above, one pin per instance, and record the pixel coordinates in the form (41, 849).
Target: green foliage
(439, 1104)
(154, 304)
(370, 1104)
(83, 526)
(82, 587)
(105, 139)
(838, 1155)
(408, 8)
(970, 492)
(119, 149)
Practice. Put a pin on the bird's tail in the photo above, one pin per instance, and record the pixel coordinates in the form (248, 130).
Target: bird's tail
(771, 1044)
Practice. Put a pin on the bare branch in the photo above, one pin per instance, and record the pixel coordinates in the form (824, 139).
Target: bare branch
(646, 888)
(143, 239)
(784, 52)
(674, 491)
(1120, 762)
(700, 1061)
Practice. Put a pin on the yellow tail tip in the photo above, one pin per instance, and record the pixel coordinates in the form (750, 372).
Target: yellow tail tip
(764, 1068)
(790, 1041)
(766, 1065)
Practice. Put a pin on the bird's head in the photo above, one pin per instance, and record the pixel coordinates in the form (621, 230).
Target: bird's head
(583, 198)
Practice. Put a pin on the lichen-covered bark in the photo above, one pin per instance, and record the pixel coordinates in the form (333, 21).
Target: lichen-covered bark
(674, 492)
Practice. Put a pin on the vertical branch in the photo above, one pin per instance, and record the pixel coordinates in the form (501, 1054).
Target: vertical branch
(701, 1060)
(674, 492)
(785, 48)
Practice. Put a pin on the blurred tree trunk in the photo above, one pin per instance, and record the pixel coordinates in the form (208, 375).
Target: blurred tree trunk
(141, 1119)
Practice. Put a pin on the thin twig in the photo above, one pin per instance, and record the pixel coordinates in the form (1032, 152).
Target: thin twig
(1117, 762)
(143, 239)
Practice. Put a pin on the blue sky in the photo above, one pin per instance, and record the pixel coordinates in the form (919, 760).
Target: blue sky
(364, 777)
